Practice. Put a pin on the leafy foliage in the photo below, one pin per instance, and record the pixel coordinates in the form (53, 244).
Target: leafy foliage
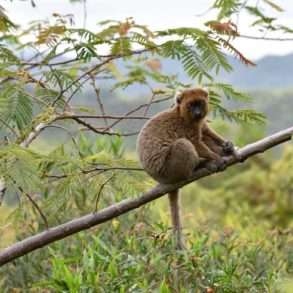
(227, 7)
(239, 239)
(15, 107)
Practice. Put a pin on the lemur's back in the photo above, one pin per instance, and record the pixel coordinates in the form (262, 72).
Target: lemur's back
(156, 137)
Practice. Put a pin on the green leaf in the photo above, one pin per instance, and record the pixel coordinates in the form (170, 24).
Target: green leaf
(274, 5)
(200, 58)
(226, 7)
(229, 92)
(121, 47)
(6, 55)
(16, 106)
(256, 12)
(164, 287)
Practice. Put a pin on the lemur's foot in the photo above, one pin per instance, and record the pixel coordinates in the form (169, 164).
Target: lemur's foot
(228, 148)
(216, 165)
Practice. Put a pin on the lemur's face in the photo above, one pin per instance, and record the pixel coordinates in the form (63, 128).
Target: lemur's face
(193, 104)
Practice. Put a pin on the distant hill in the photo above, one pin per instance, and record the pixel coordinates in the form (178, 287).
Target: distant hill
(270, 72)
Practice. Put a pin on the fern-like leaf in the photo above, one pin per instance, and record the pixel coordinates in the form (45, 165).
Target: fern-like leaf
(16, 107)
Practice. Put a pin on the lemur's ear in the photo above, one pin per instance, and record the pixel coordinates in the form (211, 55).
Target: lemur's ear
(178, 97)
(206, 90)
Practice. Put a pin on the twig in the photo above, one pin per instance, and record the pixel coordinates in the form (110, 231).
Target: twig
(97, 91)
(68, 100)
(113, 169)
(85, 222)
(88, 72)
(59, 84)
(36, 206)
(103, 132)
(110, 117)
(34, 133)
(109, 58)
(42, 63)
(97, 169)
(9, 127)
(100, 191)
(226, 44)
(149, 104)
(34, 64)
(112, 133)
(137, 109)
(265, 38)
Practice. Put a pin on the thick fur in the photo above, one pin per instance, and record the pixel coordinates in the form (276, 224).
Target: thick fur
(172, 144)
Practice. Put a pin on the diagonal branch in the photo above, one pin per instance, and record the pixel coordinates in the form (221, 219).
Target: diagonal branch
(85, 222)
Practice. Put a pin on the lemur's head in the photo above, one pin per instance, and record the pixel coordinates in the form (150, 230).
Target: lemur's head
(193, 104)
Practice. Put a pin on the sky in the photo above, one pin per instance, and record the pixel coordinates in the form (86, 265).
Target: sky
(157, 14)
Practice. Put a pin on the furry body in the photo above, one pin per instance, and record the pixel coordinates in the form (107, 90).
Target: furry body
(174, 142)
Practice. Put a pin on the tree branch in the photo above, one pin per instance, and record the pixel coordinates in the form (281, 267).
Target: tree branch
(35, 133)
(85, 222)
(265, 38)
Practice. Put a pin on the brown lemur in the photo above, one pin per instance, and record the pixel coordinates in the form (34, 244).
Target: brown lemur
(175, 142)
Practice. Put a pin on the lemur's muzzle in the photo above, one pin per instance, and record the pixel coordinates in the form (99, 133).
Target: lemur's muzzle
(197, 110)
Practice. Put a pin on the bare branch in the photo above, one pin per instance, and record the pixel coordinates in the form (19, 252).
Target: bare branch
(100, 191)
(36, 206)
(149, 104)
(85, 222)
(41, 126)
(137, 109)
(108, 59)
(33, 134)
(101, 105)
(96, 169)
(112, 133)
(90, 127)
(85, 74)
(265, 38)
(72, 60)
(110, 117)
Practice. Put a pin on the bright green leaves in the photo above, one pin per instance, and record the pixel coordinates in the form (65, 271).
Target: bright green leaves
(5, 23)
(211, 54)
(238, 116)
(226, 7)
(122, 35)
(229, 92)
(217, 90)
(261, 19)
(16, 107)
(7, 56)
(198, 52)
(50, 35)
(19, 167)
(190, 59)
(121, 47)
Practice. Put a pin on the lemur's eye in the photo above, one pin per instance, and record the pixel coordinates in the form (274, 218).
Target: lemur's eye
(196, 104)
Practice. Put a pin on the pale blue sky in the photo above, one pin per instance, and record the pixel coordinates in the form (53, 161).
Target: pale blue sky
(156, 14)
